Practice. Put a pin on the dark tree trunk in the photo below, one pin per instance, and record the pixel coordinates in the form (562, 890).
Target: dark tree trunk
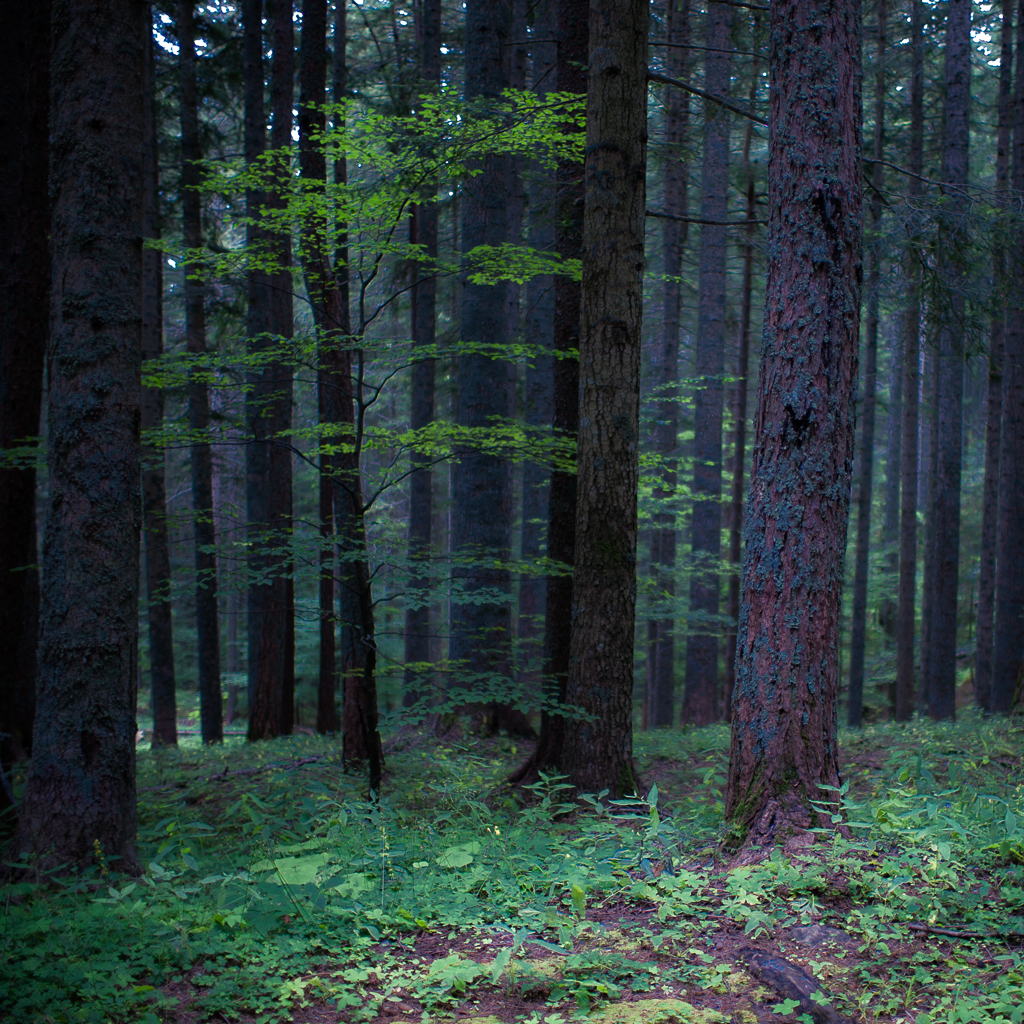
(873, 258)
(482, 483)
(907, 588)
(257, 413)
(1008, 643)
(570, 70)
(282, 98)
(24, 325)
(700, 704)
(316, 265)
(207, 622)
(740, 453)
(942, 688)
(929, 466)
(787, 679)
(990, 488)
(417, 679)
(661, 679)
(599, 752)
(80, 792)
(893, 448)
(538, 401)
(154, 492)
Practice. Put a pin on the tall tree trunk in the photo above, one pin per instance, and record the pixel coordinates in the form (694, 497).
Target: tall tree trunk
(24, 325)
(873, 257)
(80, 792)
(907, 587)
(154, 492)
(207, 620)
(570, 69)
(417, 678)
(316, 265)
(990, 488)
(1008, 643)
(257, 412)
(538, 400)
(893, 449)
(599, 751)
(942, 689)
(481, 641)
(700, 705)
(282, 99)
(661, 671)
(785, 707)
(740, 445)
(929, 467)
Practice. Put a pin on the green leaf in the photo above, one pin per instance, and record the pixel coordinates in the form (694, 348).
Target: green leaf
(787, 1006)
(499, 964)
(579, 901)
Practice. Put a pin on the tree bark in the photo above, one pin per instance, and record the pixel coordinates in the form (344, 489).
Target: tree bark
(942, 689)
(24, 325)
(204, 523)
(661, 631)
(417, 677)
(907, 586)
(154, 491)
(80, 794)
(930, 468)
(993, 419)
(785, 706)
(700, 704)
(873, 254)
(1008, 644)
(599, 751)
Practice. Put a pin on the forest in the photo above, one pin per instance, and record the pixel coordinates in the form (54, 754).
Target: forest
(512, 510)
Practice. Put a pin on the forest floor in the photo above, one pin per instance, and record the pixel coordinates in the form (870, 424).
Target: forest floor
(274, 892)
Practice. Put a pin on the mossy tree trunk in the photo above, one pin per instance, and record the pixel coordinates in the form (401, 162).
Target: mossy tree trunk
(787, 680)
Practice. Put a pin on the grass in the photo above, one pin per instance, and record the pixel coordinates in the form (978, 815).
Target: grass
(274, 892)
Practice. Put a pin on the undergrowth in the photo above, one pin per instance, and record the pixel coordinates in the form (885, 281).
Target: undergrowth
(272, 886)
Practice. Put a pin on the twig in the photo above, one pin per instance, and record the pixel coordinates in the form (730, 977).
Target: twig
(954, 933)
(720, 100)
(273, 764)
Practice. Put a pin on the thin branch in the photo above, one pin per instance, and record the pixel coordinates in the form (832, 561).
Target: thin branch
(720, 100)
(704, 220)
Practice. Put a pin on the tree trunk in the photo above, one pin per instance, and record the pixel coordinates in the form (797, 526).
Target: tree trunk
(661, 671)
(1008, 643)
(314, 256)
(599, 752)
(570, 70)
(942, 690)
(207, 620)
(873, 257)
(700, 705)
(538, 400)
(24, 325)
(417, 677)
(785, 707)
(80, 794)
(257, 413)
(990, 487)
(154, 492)
(929, 464)
(481, 641)
(740, 453)
(907, 588)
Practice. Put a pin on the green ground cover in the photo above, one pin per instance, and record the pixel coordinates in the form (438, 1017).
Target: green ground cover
(274, 891)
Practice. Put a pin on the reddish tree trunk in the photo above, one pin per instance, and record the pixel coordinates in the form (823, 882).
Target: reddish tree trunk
(785, 705)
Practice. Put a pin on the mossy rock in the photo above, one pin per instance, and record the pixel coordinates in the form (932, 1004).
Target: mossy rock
(656, 1011)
